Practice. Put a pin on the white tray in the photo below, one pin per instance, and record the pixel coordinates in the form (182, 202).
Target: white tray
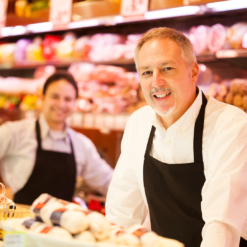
(41, 240)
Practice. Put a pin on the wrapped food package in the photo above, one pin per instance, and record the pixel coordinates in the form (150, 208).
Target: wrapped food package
(107, 74)
(82, 72)
(85, 237)
(73, 220)
(55, 232)
(53, 211)
(238, 100)
(216, 37)
(28, 223)
(65, 47)
(7, 52)
(200, 37)
(34, 51)
(49, 46)
(82, 47)
(99, 225)
(149, 238)
(229, 98)
(236, 33)
(21, 49)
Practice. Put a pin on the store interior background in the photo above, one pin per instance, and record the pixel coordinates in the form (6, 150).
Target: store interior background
(97, 38)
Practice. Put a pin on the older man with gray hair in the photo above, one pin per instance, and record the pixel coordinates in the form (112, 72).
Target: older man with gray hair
(183, 157)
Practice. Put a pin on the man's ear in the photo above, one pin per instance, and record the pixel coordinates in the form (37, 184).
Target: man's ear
(194, 72)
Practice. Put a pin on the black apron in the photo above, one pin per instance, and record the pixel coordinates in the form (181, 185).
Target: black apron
(173, 191)
(54, 173)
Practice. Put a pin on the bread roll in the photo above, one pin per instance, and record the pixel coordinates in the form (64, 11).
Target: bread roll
(73, 220)
(238, 100)
(85, 237)
(229, 98)
(98, 225)
(55, 232)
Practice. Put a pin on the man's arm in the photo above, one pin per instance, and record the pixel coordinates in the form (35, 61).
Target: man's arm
(5, 140)
(96, 172)
(224, 204)
(124, 204)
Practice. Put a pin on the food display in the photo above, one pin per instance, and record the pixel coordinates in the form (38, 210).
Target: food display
(232, 92)
(60, 220)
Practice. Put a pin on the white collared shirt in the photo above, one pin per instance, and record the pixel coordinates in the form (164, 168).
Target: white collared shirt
(18, 146)
(224, 194)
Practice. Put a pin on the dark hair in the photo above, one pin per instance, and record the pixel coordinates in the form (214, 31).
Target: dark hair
(61, 75)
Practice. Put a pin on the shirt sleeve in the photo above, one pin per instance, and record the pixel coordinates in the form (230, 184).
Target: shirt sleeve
(124, 203)
(224, 195)
(96, 172)
(6, 139)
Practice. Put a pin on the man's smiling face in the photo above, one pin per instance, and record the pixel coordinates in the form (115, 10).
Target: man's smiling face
(168, 83)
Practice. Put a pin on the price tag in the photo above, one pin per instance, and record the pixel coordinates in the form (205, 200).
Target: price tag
(134, 7)
(60, 12)
(3, 9)
(14, 239)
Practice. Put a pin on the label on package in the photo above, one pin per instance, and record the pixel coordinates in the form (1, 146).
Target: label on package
(139, 232)
(46, 229)
(14, 239)
(40, 205)
(56, 216)
(28, 223)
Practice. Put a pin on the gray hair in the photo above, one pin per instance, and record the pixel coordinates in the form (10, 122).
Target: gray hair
(167, 33)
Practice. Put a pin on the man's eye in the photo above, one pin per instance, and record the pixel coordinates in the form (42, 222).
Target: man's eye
(146, 73)
(168, 68)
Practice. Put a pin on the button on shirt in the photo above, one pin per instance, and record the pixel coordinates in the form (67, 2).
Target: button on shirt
(18, 146)
(224, 194)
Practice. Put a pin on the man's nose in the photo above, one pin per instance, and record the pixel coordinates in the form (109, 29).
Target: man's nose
(158, 79)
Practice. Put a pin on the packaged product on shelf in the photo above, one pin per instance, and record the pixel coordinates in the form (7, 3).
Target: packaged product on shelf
(49, 47)
(130, 45)
(7, 52)
(106, 47)
(199, 37)
(216, 37)
(34, 51)
(82, 72)
(21, 50)
(65, 47)
(82, 47)
(236, 33)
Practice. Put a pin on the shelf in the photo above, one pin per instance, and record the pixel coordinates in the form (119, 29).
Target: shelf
(62, 64)
(235, 57)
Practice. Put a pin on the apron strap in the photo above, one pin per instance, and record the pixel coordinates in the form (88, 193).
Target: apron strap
(198, 131)
(38, 136)
(150, 142)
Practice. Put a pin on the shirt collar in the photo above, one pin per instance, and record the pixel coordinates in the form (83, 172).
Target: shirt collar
(46, 131)
(187, 119)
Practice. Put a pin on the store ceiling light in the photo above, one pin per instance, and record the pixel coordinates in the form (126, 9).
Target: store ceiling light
(172, 12)
(86, 23)
(227, 5)
(40, 27)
